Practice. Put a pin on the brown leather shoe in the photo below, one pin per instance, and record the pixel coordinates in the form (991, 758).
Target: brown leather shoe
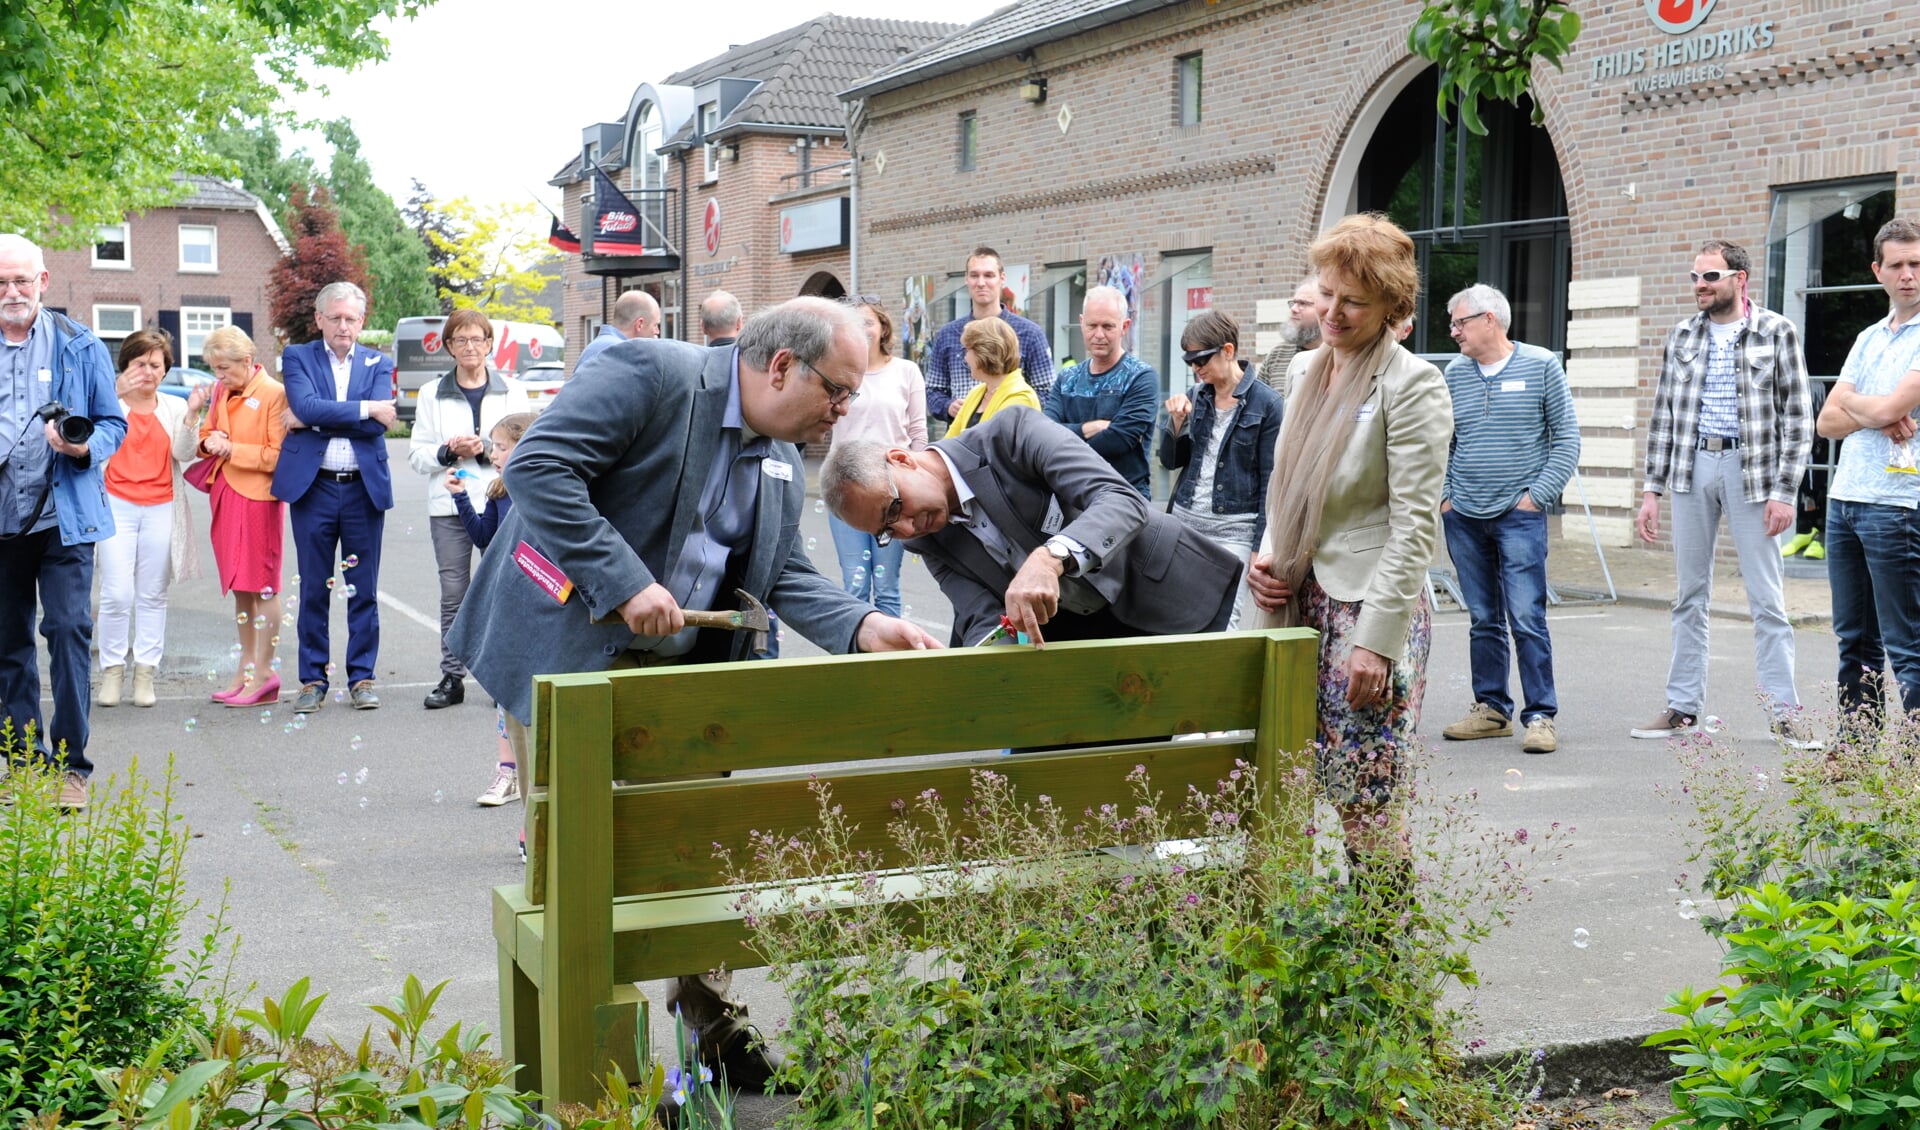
(73, 792)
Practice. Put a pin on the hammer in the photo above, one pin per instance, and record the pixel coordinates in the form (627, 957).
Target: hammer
(752, 617)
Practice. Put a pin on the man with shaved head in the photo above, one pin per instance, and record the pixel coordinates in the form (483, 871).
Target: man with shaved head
(635, 315)
(1111, 399)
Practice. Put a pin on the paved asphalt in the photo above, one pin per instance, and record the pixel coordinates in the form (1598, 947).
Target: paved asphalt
(351, 850)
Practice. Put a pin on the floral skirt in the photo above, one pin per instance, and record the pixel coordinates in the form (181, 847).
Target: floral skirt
(1358, 751)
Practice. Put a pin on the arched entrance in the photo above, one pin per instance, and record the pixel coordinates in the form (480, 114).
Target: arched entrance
(1488, 209)
(822, 284)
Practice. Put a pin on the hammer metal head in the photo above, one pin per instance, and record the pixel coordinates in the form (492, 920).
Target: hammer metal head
(753, 618)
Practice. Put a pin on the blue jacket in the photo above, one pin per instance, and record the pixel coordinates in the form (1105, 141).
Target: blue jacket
(83, 381)
(1128, 395)
(481, 525)
(1246, 459)
(308, 376)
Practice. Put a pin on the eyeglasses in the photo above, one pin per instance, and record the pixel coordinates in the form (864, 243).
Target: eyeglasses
(1296, 303)
(1461, 323)
(342, 319)
(884, 535)
(21, 285)
(1198, 357)
(466, 342)
(1710, 276)
(838, 395)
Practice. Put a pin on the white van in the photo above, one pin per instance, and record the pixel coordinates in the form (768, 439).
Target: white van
(530, 355)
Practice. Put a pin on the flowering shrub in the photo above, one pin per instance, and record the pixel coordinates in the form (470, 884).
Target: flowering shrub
(1047, 978)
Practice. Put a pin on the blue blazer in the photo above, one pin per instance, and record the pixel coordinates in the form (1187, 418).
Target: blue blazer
(308, 376)
(608, 482)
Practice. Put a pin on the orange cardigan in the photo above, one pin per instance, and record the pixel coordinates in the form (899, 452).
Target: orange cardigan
(256, 425)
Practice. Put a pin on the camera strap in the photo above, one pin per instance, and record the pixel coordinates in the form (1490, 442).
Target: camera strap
(39, 506)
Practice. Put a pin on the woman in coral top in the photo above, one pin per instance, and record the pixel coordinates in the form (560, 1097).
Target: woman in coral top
(243, 433)
(152, 545)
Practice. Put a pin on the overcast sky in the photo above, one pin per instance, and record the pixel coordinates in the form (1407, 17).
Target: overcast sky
(530, 87)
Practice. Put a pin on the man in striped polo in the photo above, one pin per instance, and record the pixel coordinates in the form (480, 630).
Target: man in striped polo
(1515, 445)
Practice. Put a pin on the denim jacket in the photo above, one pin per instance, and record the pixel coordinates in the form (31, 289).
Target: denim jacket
(83, 380)
(1246, 459)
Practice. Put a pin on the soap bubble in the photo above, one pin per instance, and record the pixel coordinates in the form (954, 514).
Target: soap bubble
(247, 671)
(239, 618)
(341, 779)
(260, 623)
(192, 725)
(1580, 937)
(266, 717)
(352, 591)
(287, 729)
(299, 721)
(286, 620)
(352, 561)
(363, 803)
(247, 828)
(275, 665)
(274, 641)
(1513, 780)
(1688, 910)
(819, 506)
(356, 745)
(212, 675)
(233, 652)
(329, 669)
(341, 593)
(331, 582)
(879, 570)
(360, 778)
(340, 696)
(866, 555)
(266, 593)
(813, 544)
(439, 795)
(1713, 724)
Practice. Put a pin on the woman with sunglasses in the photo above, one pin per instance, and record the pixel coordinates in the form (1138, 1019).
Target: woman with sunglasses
(890, 410)
(1220, 436)
(453, 417)
(1353, 515)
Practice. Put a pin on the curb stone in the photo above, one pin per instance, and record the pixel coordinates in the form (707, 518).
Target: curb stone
(1584, 1066)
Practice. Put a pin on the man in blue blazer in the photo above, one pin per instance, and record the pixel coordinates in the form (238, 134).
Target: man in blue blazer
(333, 478)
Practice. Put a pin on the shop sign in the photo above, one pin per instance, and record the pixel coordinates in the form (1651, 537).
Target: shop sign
(1684, 55)
(815, 226)
(710, 227)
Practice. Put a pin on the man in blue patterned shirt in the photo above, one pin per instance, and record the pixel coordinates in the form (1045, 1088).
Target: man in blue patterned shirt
(948, 378)
(1873, 502)
(1729, 434)
(1111, 399)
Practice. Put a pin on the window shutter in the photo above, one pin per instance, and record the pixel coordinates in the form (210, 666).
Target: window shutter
(170, 325)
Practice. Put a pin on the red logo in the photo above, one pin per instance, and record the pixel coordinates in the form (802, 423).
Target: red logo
(533, 348)
(710, 227)
(618, 222)
(430, 341)
(1677, 17)
(786, 231)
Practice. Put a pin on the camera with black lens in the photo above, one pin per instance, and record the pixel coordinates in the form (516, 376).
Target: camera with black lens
(76, 430)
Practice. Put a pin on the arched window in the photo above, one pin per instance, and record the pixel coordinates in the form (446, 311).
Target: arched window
(1481, 208)
(650, 168)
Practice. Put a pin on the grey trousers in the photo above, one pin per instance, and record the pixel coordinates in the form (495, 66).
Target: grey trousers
(453, 553)
(1717, 490)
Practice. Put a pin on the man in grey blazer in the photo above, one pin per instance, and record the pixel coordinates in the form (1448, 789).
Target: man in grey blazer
(1019, 516)
(665, 478)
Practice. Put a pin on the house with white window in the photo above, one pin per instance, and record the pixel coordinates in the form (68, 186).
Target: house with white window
(187, 269)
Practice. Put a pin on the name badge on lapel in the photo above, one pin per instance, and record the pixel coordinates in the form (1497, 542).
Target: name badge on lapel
(1513, 386)
(1364, 413)
(253, 402)
(1055, 521)
(777, 469)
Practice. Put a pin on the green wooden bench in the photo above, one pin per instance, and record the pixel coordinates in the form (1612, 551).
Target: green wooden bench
(621, 883)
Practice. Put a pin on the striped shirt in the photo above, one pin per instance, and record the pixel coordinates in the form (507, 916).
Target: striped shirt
(1879, 358)
(1514, 433)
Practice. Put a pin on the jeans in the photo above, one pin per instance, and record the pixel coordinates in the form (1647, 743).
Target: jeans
(63, 576)
(1502, 567)
(1718, 489)
(134, 565)
(453, 555)
(869, 570)
(1873, 564)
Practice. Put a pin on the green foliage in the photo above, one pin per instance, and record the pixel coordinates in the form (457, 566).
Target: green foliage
(1487, 48)
(396, 259)
(261, 1069)
(91, 913)
(253, 151)
(1818, 1027)
(484, 257)
(1846, 825)
(1047, 979)
(103, 101)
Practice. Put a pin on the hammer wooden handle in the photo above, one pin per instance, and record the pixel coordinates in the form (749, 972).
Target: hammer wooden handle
(700, 619)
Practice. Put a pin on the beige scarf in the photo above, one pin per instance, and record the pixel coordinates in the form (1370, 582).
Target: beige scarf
(1319, 423)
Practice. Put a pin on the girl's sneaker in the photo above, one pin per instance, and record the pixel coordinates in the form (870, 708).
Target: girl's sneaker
(504, 790)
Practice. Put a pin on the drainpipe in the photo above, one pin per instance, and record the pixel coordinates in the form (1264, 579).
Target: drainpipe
(685, 251)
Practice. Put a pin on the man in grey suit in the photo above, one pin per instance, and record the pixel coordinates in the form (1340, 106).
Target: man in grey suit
(1019, 516)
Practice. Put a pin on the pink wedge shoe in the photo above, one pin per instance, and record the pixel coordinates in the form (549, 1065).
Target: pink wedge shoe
(269, 692)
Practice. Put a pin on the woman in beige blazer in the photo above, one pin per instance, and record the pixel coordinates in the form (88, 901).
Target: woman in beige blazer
(1352, 519)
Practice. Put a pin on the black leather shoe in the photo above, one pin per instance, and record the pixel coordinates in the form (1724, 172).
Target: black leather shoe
(451, 692)
(362, 696)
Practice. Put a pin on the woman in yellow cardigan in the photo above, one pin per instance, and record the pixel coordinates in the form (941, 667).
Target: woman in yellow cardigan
(993, 353)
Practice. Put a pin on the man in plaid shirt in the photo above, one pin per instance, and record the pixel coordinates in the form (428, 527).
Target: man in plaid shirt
(1731, 428)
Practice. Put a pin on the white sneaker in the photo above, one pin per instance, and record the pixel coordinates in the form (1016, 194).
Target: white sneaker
(504, 790)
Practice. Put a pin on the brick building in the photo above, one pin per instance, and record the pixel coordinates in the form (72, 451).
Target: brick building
(737, 168)
(1192, 152)
(188, 269)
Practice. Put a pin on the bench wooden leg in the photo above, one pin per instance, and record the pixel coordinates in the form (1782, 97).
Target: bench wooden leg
(615, 1025)
(519, 1022)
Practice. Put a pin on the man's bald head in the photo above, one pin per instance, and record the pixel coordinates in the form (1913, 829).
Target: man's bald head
(720, 315)
(636, 314)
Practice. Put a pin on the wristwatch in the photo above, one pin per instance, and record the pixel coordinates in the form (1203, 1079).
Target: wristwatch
(1062, 552)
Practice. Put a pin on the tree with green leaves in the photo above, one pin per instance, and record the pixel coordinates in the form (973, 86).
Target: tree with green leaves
(1487, 48)
(439, 238)
(103, 101)
(253, 150)
(396, 258)
(491, 256)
